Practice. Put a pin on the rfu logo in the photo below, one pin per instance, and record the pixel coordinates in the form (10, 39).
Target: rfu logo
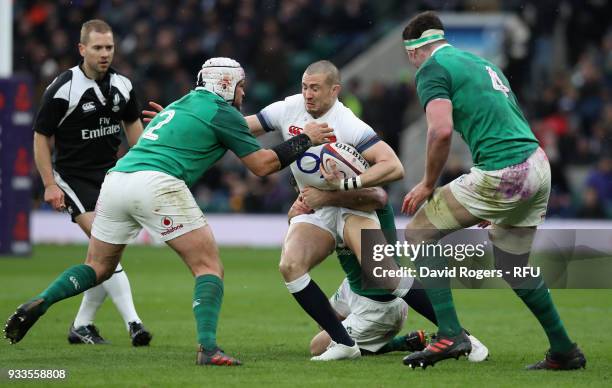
(88, 107)
(116, 101)
(294, 131)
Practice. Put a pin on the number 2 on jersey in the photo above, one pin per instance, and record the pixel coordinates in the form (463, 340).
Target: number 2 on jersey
(148, 133)
(497, 82)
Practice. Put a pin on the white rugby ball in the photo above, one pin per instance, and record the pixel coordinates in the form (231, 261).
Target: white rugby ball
(349, 161)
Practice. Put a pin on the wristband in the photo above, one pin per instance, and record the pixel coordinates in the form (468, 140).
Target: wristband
(290, 150)
(353, 183)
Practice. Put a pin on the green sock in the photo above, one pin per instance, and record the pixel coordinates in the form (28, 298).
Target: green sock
(71, 282)
(207, 298)
(442, 302)
(397, 344)
(439, 293)
(541, 305)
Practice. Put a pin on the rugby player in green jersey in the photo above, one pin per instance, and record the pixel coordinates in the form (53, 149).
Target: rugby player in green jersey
(149, 188)
(508, 186)
(372, 317)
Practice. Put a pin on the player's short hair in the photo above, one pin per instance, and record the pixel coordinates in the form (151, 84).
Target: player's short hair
(420, 23)
(325, 67)
(96, 25)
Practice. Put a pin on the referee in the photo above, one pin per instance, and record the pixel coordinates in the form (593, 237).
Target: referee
(80, 115)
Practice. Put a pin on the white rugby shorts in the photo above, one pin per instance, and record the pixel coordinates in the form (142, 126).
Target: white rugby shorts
(515, 196)
(160, 203)
(370, 323)
(332, 219)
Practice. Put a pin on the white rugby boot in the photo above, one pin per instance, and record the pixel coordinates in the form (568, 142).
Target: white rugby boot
(337, 351)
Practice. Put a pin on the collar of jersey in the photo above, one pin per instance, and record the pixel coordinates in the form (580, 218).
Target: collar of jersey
(440, 47)
(202, 89)
(108, 72)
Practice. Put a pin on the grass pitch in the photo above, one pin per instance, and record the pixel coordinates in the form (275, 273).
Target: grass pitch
(262, 325)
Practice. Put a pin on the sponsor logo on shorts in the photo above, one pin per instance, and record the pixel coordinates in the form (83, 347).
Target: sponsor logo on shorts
(167, 222)
(172, 229)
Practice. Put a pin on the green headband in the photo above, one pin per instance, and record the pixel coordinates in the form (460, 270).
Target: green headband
(427, 37)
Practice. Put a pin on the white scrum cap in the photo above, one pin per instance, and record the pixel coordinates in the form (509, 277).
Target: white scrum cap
(220, 76)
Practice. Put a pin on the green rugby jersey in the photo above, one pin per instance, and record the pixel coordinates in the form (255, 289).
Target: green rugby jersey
(485, 110)
(188, 137)
(350, 263)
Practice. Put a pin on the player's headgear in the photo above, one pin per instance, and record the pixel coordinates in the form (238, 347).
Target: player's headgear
(220, 76)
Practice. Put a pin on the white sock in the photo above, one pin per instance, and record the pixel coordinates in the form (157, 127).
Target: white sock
(298, 284)
(92, 300)
(119, 290)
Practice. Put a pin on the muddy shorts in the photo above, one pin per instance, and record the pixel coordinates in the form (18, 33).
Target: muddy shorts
(515, 196)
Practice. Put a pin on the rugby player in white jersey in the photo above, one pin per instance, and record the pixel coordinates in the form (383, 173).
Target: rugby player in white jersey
(312, 237)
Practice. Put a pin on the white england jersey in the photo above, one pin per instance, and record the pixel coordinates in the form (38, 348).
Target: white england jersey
(290, 116)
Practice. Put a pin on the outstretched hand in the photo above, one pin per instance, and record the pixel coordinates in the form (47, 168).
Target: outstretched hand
(150, 114)
(416, 197)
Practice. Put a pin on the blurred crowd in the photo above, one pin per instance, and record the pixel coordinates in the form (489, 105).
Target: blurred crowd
(560, 67)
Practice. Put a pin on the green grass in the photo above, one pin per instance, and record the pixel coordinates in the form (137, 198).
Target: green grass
(262, 325)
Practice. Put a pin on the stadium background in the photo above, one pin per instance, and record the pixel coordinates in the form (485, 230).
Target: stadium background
(556, 54)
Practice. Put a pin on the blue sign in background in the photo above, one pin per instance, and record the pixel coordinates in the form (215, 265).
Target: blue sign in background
(16, 116)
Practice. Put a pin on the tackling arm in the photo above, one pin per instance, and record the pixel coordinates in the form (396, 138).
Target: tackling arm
(255, 126)
(366, 200)
(266, 161)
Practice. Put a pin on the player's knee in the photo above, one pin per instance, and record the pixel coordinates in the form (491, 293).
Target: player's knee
(291, 268)
(416, 234)
(103, 272)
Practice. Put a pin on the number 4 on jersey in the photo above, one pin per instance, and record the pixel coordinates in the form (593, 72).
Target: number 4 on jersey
(497, 82)
(148, 133)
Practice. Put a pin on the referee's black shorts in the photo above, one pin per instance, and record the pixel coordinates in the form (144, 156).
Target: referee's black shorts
(80, 194)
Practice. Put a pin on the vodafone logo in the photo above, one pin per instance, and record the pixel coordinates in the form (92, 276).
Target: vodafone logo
(167, 222)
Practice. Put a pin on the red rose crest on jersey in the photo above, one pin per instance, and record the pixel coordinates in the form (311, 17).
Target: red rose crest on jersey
(295, 130)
